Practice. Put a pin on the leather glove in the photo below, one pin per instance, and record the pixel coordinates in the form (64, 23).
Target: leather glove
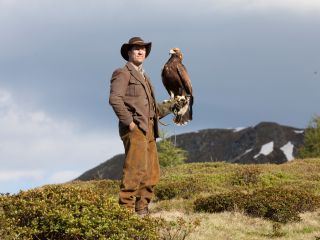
(170, 106)
(177, 104)
(166, 107)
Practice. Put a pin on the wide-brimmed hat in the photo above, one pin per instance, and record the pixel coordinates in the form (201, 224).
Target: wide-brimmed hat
(134, 41)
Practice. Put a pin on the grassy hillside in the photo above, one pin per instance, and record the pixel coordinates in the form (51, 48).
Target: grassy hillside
(229, 201)
(182, 185)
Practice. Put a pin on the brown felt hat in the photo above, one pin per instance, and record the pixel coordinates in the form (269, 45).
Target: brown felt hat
(132, 42)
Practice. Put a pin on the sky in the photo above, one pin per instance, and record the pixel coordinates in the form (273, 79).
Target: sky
(248, 60)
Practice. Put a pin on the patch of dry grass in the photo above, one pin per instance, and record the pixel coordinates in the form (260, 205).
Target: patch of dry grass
(238, 226)
(180, 205)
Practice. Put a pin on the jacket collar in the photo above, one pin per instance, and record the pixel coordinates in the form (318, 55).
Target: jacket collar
(139, 77)
(135, 73)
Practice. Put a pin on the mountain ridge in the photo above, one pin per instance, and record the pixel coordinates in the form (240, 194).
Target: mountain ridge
(266, 142)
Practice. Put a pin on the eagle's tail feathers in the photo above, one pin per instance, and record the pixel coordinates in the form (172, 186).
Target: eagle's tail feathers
(190, 107)
(182, 119)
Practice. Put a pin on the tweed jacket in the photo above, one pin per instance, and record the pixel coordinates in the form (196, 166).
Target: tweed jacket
(130, 101)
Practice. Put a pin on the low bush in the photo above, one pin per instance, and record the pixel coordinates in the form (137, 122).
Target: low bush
(281, 204)
(277, 204)
(183, 188)
(67, 212)
(105, 186)
(246, 175)
(167, 191)
(221, 202)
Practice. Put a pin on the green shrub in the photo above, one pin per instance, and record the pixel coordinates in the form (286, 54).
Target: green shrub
(67, 212)
(246, 175)
(166, 191)
(169, 154)
(280, 177)
(311, 147)
(221, 202)
(281, 204)
(111, 187)
(277, 204)
(183, 188)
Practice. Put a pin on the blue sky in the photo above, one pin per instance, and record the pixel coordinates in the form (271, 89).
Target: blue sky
(249, 61)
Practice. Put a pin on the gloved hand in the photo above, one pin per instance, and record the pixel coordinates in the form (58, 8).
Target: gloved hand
(166, 107)
(171, 106)
(177, 104)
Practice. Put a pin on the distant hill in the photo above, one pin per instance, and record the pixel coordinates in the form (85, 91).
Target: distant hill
(266, 142)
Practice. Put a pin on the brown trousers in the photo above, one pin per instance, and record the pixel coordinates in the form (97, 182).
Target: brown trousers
(141, 170)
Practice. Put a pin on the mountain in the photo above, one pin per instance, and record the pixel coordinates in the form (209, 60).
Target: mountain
(266, 142)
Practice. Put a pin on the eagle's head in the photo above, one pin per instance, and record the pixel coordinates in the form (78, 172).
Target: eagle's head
(176, 52)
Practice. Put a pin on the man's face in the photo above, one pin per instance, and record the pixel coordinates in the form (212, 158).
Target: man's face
(137, 54)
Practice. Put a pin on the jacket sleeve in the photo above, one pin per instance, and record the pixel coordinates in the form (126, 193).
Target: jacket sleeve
(118, 87)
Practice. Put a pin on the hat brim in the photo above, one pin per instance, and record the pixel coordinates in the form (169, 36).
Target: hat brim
(125, 48)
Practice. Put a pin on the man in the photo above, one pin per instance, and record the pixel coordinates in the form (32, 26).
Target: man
(133, 101)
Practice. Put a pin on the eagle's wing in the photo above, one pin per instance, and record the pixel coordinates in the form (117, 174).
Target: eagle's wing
(185, 79)
(164, 73)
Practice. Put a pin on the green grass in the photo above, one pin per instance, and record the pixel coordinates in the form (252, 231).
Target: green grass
(222, 177)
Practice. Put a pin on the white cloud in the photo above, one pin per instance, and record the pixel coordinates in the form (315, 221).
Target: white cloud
(20, 175)
(5, 98)
(31, 139)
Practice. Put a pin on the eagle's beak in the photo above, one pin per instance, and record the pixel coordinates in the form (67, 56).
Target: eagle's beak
(171, 51)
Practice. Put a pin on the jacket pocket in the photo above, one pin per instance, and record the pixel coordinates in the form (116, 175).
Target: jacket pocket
(135, 88)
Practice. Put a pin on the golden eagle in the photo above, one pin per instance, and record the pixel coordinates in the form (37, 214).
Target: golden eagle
(176, 80)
